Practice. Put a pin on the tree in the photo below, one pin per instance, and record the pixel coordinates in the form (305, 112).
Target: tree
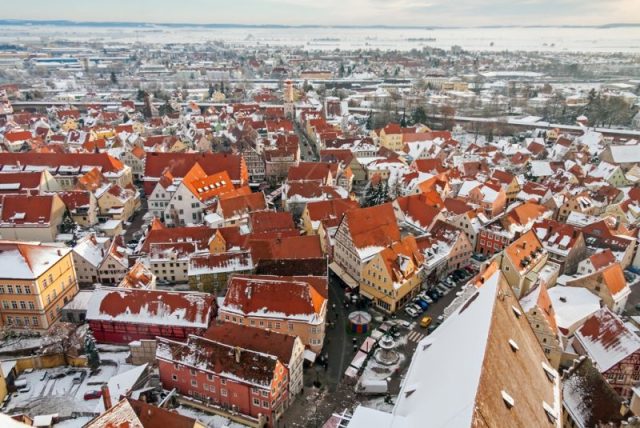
(90, 350)
(140, 95)
(114, 79)
(419, 115)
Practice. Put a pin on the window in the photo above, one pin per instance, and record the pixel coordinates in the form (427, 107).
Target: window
(174, 377)
(192, 371)
(50, 278)
(23, 305)
(265, 393)
(223, 392)
(10, 289)
(223, 381)
(209, 376)
(5, 305)
(14, 304)
(18, 289)
(256, 401)
(35, 321)
(10, 320)
(194, 382)
(27, 289)
(1, 290)
(265, 404)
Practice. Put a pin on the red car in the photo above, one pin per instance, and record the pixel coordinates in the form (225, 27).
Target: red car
(92, 395)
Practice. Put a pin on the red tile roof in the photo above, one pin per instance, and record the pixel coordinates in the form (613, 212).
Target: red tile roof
(374, 226)
(180, 163)
(243, 204)
(333, 208)
(27, 210)
(271, 221)
(53, 160)
(206, 355)
(254, 339)
(138, 306)
(273, 296)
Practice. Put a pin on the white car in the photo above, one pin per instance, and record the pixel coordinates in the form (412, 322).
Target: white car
(411, 311)
(424, 296)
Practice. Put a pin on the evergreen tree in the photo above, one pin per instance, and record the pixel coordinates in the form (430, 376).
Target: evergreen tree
(211, 90)
(114, 79)
(90, 350)
(419, 115)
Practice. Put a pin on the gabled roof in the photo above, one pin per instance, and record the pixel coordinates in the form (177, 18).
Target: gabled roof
(243, 204)
(463, 374)
(606, 339)
(524, 251)
(312, 171)
(271, 221)
(21, 260)
(27, 210)
(137, 306)
(105, 162)
(207, 355)
(418, 210)
(373, 227)
(589, 398)
(254, 339)
(20, 182)
(333, 208)
(278, 297)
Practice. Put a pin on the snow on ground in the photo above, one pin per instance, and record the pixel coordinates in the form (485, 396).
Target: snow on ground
(73, 423)
(48, 394)
(211, 421)
(379, 404)
(377, 371)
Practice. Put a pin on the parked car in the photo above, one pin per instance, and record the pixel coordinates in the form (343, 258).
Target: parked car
(411, 311)
(425, 321)
(435, 294)
(432, 328)
(92, 395)
(442, 289)
(424, 296)
(423, 305)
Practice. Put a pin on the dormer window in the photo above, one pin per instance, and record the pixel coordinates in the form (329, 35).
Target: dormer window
(508, 400)
(514, 346)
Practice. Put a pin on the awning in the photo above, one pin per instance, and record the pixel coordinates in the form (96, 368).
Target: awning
(343, 275)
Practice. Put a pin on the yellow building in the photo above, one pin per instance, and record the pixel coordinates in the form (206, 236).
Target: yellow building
(392, 277)
(36, 281)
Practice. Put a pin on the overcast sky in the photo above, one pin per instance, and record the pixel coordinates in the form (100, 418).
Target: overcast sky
(327, 12)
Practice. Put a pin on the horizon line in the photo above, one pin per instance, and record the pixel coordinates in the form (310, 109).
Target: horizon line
(61, 22)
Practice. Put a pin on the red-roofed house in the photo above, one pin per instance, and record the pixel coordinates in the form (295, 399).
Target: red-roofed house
(362, 233)
(296, 306)
(614, 349)
(253, 384)
(604, 277)
(522, 261)
(31, 218)
(122, 315)
(315, 212)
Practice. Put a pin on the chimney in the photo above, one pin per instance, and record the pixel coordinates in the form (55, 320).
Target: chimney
(106, 397)
(59, 252)
(238, 352)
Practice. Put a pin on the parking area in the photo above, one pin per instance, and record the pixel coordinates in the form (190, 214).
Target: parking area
(64, 390)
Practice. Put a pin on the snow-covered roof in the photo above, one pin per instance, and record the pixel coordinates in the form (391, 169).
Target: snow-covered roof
(454, 368)
(119, 385)
(572, 305)
(186, 309)
(22, 260)
(606, 339)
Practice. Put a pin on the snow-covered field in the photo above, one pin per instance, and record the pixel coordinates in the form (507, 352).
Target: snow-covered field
(325, 39)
